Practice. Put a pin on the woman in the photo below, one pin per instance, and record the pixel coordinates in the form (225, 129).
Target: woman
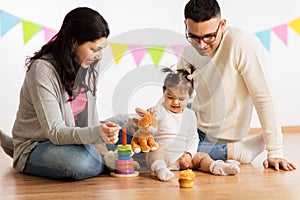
(57, 127)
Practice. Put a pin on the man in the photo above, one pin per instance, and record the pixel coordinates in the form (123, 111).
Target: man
(227, 66)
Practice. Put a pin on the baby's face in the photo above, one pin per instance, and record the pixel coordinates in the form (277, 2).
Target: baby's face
(175, 99)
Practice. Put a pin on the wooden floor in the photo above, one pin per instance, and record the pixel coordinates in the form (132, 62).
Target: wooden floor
(253, 183)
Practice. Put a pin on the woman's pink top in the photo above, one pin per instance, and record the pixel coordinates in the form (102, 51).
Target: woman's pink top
(79, 103)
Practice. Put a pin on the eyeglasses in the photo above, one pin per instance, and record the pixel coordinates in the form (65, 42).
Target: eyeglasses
(208, 38)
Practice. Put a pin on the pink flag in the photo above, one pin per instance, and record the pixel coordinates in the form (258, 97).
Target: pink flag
(177, 49)
(48, 33)
(281, 32)
(138, 52)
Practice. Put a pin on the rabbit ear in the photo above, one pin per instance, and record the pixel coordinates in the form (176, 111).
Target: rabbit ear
(140, 112)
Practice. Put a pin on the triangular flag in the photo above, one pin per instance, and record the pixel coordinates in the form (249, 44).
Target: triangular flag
(177, 49)
(295, 25)
(156, 53)
(138, 52)
(264, 37)
(29, 30)
(118, 50)
(281, 32)
(48, 33)
(7, 22)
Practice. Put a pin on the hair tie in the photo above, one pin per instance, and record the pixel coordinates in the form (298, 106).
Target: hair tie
(189, 77)
(174, 71)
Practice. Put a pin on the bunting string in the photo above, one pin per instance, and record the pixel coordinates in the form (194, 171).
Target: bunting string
(8, 21)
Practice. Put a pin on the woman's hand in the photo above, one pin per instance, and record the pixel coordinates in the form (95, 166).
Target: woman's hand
(131, 125)
(109, 132)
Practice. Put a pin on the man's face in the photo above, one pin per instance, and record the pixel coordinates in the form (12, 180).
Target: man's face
(205, 36)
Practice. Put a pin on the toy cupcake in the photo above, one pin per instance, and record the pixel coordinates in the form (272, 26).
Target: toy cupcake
(186, 178)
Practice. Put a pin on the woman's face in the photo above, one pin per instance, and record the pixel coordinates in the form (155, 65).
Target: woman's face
(90, 52)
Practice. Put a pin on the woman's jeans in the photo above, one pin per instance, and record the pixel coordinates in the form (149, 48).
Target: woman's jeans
(73, 162)
(217, 151)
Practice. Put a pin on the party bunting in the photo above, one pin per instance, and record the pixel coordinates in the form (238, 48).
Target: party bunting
(156, 53)
(265, 38)
(281, 31)
(7, 22)
(118, 50)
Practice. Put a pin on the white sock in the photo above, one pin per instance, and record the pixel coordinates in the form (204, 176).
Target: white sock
(234, 162)
(247, 150)
(219, 167)
(161, 170)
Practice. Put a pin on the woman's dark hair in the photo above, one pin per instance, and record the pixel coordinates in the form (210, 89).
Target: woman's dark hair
(80, 25)
(202, 10)
(178, 79)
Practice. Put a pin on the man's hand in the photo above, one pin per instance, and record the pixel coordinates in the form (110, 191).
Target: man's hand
(279, 163)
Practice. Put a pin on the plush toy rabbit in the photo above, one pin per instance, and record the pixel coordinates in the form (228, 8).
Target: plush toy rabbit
(142, 139)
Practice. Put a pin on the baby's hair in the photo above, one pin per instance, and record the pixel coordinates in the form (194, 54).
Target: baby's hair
(178, 78)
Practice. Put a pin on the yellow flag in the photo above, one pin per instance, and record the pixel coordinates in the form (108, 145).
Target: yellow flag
(295, 25)
(118, 50)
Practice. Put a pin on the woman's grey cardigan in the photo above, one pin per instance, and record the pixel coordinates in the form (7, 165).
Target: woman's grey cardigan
(45, 114)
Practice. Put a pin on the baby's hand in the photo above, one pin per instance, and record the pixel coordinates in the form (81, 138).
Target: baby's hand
(185, 161)
(153, 112)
